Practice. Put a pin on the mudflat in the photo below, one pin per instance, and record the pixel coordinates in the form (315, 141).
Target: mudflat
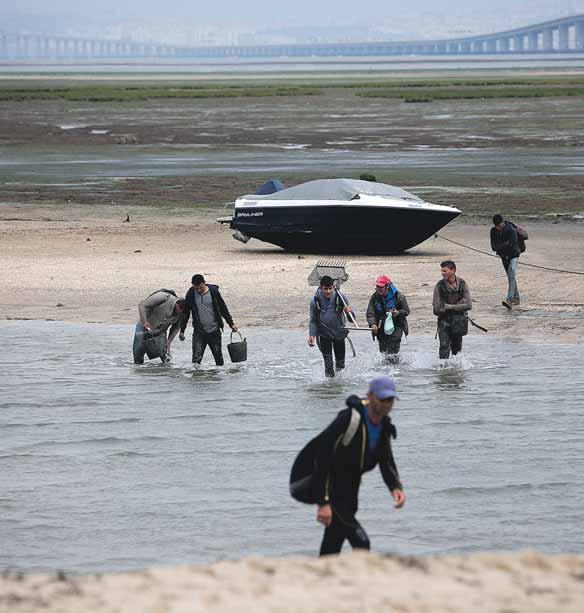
(74, 171)
(104, 202)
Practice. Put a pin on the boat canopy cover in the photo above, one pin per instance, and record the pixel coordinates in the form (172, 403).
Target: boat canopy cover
(337, 189)
(269, 187)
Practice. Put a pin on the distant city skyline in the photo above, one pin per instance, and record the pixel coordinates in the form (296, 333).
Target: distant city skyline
(255, 22)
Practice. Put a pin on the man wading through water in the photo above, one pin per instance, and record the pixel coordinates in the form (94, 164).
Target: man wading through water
(327, 324)
(450, 303)
(388, 302)
(158, 312)
(353, 444)
(505, 243)
(209, 310)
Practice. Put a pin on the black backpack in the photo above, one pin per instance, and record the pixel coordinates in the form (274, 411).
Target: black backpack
(302, 486)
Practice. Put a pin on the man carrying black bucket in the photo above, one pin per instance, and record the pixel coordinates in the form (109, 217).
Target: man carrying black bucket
(328, 470)
(209, 310)
(327, 324)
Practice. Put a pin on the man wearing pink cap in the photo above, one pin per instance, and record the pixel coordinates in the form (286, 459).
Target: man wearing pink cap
(388, 302)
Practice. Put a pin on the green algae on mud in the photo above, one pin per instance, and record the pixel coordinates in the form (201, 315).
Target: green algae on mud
(419, 89)
(112, 93)
(455, 92)
(520, 156)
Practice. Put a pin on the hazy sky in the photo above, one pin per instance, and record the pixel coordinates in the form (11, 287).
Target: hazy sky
(266, 13)
(295, 11)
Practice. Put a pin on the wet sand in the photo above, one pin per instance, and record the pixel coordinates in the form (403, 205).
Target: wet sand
(79, 263)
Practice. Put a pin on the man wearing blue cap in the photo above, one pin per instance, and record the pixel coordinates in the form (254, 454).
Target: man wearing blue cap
(354, 443)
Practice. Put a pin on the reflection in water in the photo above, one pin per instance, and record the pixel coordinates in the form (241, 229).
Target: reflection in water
(450, 377)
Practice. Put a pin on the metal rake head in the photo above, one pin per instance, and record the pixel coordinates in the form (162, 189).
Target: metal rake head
(332, 268)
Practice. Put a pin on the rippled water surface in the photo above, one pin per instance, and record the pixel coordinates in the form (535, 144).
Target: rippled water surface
(81, 164)
(105, 465)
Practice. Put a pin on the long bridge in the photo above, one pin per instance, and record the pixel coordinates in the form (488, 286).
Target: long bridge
(564, 35)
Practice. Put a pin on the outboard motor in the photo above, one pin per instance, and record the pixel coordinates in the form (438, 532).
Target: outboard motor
(241, 237)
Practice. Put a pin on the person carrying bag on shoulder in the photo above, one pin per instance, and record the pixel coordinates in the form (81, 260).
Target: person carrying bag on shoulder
(451, 302)
(506, 243)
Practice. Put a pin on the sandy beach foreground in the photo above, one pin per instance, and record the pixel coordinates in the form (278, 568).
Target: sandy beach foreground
(86, 264)
(522, 582)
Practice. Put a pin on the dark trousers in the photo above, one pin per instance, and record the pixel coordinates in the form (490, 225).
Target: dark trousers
(389, 344)
(448, 342)
(201, 340)
(146, 344)
(326, 346)
(338, 531)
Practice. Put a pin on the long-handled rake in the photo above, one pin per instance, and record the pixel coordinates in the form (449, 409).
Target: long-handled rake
(336, 270)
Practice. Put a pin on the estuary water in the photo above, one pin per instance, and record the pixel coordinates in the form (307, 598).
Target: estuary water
(105, 465)
(79, 166)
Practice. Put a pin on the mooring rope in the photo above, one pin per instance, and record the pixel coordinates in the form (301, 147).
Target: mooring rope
(567, 272)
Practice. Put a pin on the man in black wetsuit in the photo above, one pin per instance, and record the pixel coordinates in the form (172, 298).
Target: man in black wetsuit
(340, 462)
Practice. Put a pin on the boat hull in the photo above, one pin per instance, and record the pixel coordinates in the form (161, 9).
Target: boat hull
(342, 228)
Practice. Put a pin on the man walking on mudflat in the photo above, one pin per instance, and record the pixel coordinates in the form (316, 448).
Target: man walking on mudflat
(209, 310)
(450, 303)
(505, 243)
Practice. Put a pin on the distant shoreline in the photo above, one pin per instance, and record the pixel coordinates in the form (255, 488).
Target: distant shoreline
(289, 69)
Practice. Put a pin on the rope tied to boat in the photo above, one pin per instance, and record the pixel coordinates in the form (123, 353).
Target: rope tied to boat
(566, 272)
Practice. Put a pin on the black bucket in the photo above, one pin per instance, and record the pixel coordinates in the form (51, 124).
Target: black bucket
(155, 345)
(237, 350)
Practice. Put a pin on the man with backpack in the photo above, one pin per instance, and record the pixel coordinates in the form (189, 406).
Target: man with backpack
(158, 312)
(327, 324)
(450, 303)
(505, 242)
(387, 314)
(328, 471)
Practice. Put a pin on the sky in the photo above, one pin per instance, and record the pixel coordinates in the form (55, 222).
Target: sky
(269, 13)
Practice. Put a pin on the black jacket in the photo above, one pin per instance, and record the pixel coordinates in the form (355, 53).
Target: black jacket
(504, 242)
(338, 469)
(219, 308)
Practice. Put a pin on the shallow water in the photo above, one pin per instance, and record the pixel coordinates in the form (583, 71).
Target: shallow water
(243, 66)
(79, 164)
(107, 466)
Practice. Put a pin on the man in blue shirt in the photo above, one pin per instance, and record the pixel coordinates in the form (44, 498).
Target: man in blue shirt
(353, 444)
